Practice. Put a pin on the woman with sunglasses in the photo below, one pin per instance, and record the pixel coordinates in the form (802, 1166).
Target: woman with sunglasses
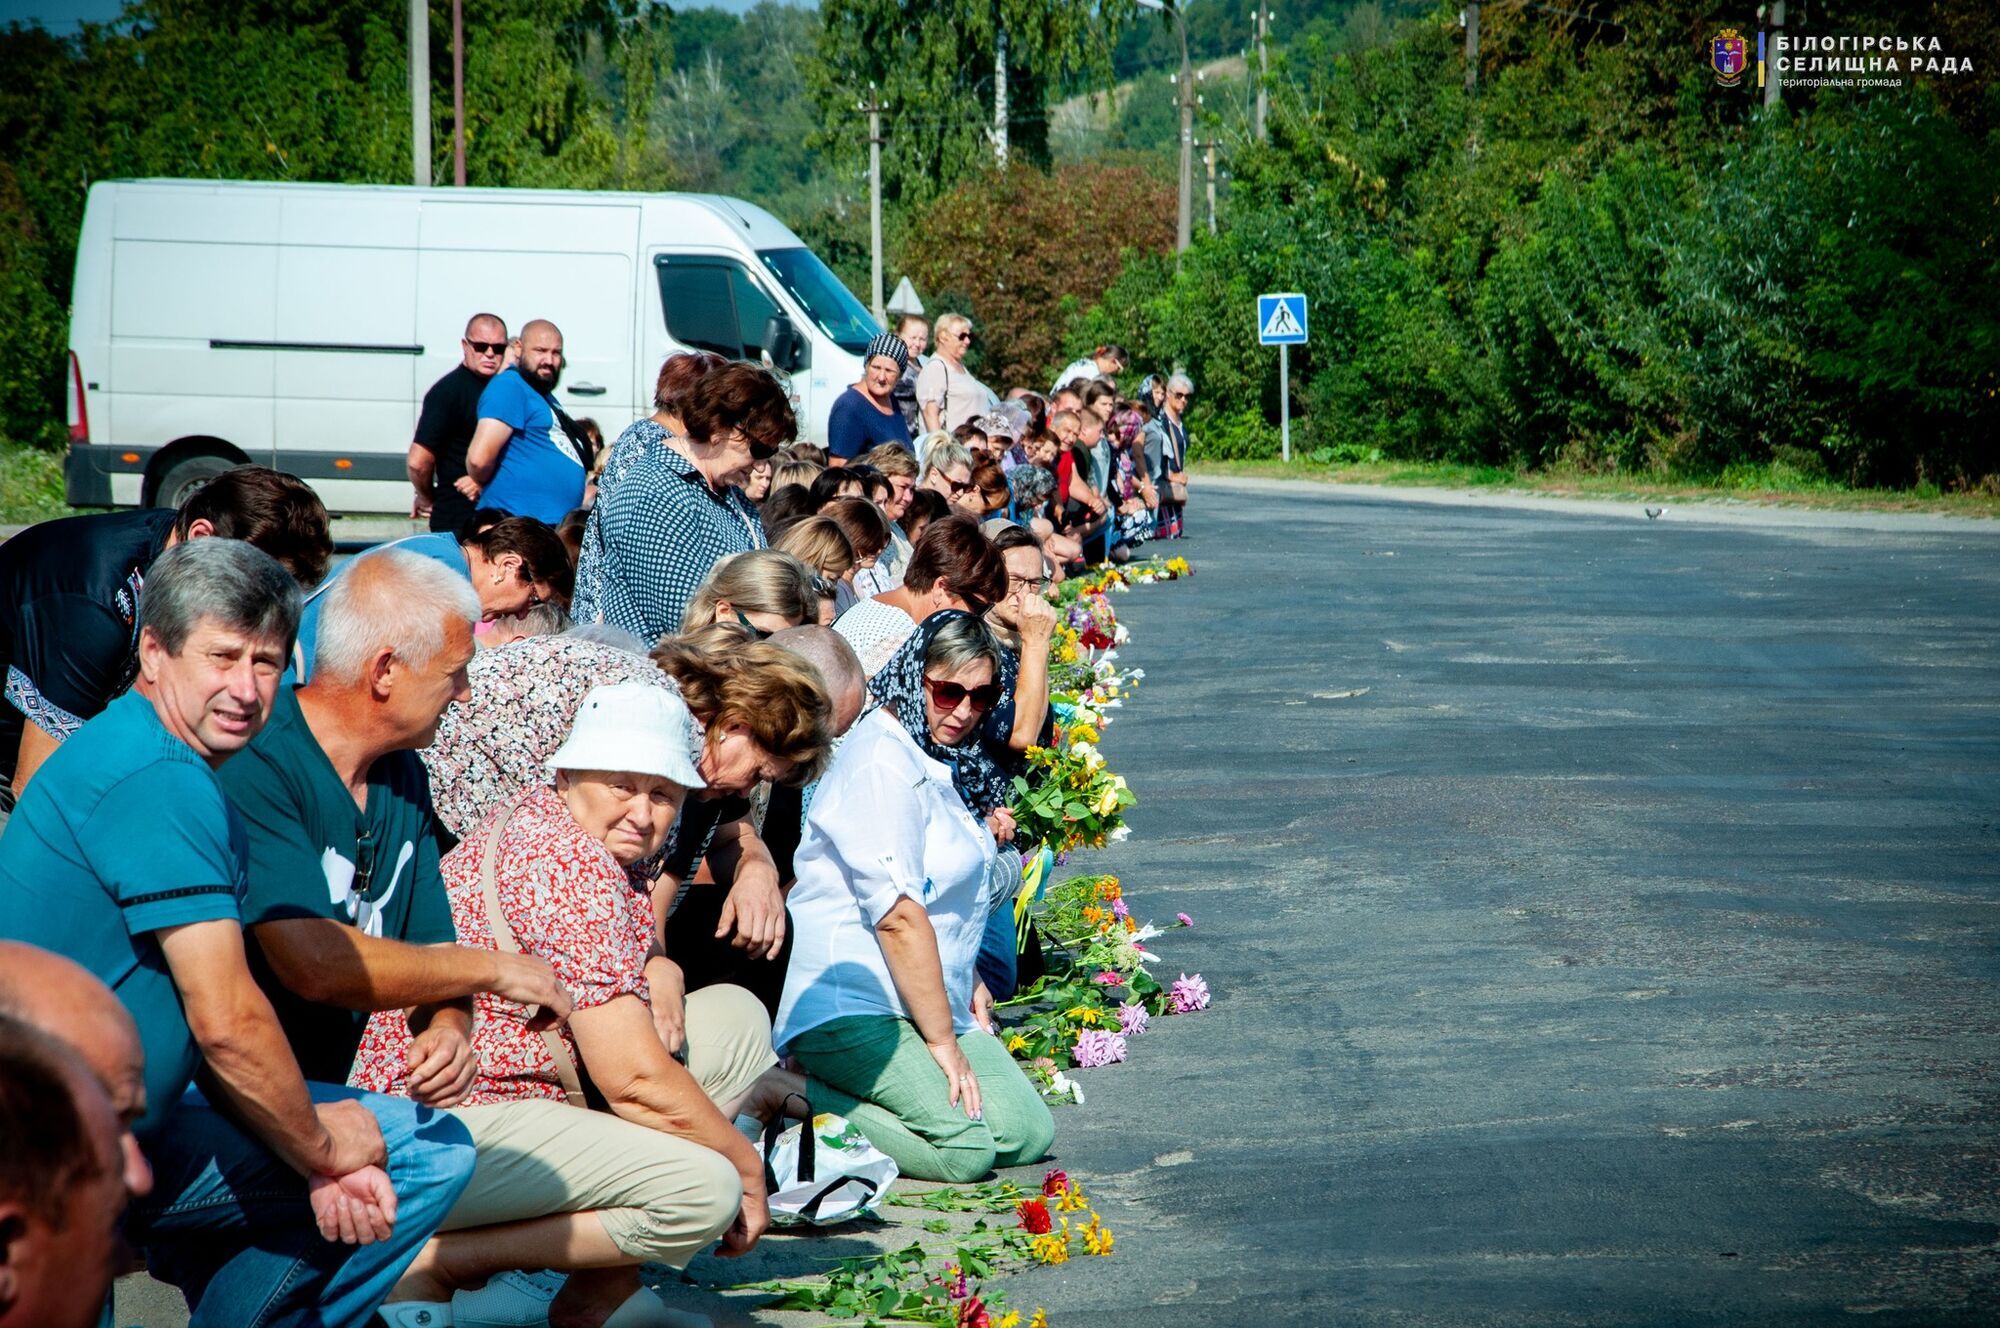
(882, 1006)
(677, 511)
(947, 393)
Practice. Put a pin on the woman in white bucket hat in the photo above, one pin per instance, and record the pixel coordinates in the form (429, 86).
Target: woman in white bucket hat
(658, 1171)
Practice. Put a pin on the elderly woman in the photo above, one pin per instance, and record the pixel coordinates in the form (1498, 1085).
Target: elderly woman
(865, 415)
(551, 872)
(765, 717)
(947, 393)
(882, 1007)
(677, 510)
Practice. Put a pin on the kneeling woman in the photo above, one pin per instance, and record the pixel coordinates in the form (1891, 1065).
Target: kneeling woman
(663, 1172)
(882, 1007)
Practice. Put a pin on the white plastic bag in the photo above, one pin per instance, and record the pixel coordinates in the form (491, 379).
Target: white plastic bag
(825, 1176)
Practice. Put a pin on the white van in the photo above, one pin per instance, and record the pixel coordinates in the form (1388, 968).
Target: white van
(299, 325)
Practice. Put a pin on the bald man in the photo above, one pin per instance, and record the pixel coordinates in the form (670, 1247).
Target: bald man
(520, 460)
(61, 1187)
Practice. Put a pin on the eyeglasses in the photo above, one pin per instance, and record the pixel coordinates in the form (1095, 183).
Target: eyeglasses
(959, 487)
(1177, 396)
(756, 633)
(760, 451)
(949, 696)
(1035, 583)
(487, 347)
(964, 336)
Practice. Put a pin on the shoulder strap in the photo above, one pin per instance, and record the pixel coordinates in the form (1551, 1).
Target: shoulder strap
(503, 937)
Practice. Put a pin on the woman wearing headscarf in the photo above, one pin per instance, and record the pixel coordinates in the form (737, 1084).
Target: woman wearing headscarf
(882, 1007)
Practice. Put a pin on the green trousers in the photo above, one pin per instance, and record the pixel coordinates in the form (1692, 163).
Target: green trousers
(876, 1071)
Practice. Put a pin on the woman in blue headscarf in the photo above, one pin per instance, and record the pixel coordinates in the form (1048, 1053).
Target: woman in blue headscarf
(882, 1006)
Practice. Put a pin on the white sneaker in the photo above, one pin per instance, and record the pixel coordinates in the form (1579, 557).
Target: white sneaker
(644, 1309)
(508, 1300)
(417, 1314)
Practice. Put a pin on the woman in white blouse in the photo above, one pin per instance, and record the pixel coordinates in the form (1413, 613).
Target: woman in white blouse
(882, 1008)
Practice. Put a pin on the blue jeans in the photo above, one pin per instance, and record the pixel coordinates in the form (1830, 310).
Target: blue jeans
(229, 1223)
(999, 952)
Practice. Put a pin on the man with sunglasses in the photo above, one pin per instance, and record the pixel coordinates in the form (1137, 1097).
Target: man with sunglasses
(436, 461)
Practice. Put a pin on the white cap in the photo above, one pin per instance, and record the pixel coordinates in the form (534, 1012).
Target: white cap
(633, 727)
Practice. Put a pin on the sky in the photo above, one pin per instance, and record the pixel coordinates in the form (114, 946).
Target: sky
(62, 16)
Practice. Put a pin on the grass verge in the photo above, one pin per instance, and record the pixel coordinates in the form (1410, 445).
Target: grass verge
(1773, 485)
(31, 485)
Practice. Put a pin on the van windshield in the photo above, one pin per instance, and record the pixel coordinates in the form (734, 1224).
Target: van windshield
(825, 300)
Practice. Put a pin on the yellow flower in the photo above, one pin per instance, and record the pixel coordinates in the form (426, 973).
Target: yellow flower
(1051, 1246)
(1083, 733)
(1041, 1319)
(1097, 1238)
(1011, 1319)
(1108, 889)
(1084, 1014)
(1017, 1043)
(1071, 1201)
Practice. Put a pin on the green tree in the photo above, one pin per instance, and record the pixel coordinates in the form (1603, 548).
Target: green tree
(932, 65)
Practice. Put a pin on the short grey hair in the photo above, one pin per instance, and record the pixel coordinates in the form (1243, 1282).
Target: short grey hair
(544, 619)
(390, 597)
(1031, 485)
(942, 453)
(1180, 382)
(960, 642)
(237, 585)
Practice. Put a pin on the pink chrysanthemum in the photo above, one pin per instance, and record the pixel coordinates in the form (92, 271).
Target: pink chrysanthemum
(1108, 978)
(1118, 906)
(1184, 919)
(1132, 1019)
(1096, 1046)
(1189, 994)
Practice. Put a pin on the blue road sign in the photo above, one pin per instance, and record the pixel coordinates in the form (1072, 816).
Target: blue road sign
(1281, 320)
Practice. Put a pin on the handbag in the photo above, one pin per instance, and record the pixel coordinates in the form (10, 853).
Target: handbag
(822, 1171)
(1177, 491)
(503, 939)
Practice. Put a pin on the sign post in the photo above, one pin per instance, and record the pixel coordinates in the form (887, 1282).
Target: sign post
(1281, 322)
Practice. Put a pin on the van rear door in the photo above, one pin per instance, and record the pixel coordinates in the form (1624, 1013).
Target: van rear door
(568, 263)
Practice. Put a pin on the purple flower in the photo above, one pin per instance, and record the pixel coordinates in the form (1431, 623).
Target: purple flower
(1118, 907)
(1132, 1018)
(1184, 919)
(1189, 994)
(1096, 1046)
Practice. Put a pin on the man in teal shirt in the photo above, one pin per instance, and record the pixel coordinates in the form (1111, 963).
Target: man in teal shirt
(346, 909)
(124, 855)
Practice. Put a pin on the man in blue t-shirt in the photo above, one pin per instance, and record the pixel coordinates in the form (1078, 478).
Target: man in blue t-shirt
(520, 461)
(125, 856)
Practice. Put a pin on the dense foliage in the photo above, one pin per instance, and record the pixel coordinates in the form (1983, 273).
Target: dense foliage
(1603, 259)
(1599, 259)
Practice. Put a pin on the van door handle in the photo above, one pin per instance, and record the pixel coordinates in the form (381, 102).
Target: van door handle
(587, 390)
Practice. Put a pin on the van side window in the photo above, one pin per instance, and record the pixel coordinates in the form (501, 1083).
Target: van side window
(713, 304)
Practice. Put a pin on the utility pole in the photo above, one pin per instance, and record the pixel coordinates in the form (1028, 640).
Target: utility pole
(1471, 18)
(1184, 232)
(1264, 17)
(874, 109)
(1000, 100)
(1772, 96)
(420, 92)
(1208, 151)
(458, 93)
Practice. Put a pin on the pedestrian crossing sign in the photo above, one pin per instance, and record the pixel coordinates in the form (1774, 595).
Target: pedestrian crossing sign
(1281, 320)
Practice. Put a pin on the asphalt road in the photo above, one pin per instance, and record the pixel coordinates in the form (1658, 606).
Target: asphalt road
(1604, 917)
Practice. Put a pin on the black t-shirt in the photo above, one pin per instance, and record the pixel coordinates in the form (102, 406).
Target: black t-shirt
(450, 415)
(69, 619)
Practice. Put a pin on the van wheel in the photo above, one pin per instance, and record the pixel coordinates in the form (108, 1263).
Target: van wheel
(187, 475)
